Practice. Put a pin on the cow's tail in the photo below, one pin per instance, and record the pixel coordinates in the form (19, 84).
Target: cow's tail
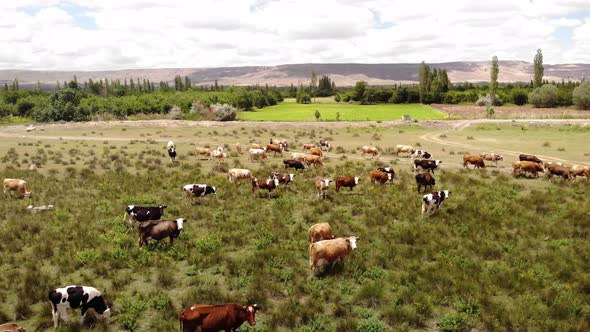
(181, 318)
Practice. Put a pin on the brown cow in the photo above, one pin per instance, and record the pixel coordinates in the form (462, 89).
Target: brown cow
(213, 318)
(329, 251)
(256, 146)
(425, 179)
(276, 148)
(239, 148)
(204, 152)
(17, 185)
(268, 184)
(371, 151)
(388, 170)
(321, 231)
(379, 176)
(526, 166)
(257, 154)
(238, 174)
(11, 327)
(309, 146)
(400, 148)
(321, 186)
(159, 229)
(492, 157)
(558, 170)
(347, 181)
(310, 159)
(577, 170)
(529, 157)
(316, 152)
(476, 161)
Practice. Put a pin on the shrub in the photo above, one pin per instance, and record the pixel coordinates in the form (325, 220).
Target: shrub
(489, 100)
(370, 325)
(454, 322)
(490, 113)
(519, 97)
(5, 109)
(224, 112)
(175, 113)
(545, 96)
(581, 96)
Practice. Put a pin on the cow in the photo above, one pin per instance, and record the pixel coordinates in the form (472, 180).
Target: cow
(160, 229)
(329, 251)
(268, 184)
(282, 142)
(326, 144)
(427, 164)
(425, 179)
(388, 170)
(143, 213)
(577, 170)
(316, 152)
(321, 186)
(549, 163)
(400, 148)
(204, 152)
(529, 157)
(346, 181)
(239, 148)
(218, 155)
(558, 170)
(257, 146)
(11, 327)
(257, 154)
(77, 297)
(421, 154)
(379, 176)
(492, 157)
(476, 161)
(431, 202)
(319, 232)
(371, 151)
(199, 190)
(171, 147)
(309, 146)
(19, 186)
(297, 156)
(283, 178)
(527, 167)
(276, 148)
(235, 174)
(310, 159)
(213, 318)
(292, 163)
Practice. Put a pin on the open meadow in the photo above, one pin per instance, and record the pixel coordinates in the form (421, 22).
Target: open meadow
(502, 253)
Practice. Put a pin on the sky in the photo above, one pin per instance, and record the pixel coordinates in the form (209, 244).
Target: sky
(131, 34)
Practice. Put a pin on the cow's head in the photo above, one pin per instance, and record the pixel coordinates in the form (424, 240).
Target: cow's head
(352, 240)
(291, 177)
(250, 311)
(389, 177)
(356, 180)
(276, 182)
(447, 193)
(180, 222)
(437, 162)
(172, 150)
(326, 182)
(129, 208)
(214, 188)
(106, 315)
(499, 157)
(162, 207)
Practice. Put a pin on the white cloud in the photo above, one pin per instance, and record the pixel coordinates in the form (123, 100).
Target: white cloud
(43, 34)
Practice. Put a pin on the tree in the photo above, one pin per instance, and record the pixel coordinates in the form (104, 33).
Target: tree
(444, 78)
(424, 86)
(581, 96)
(494, 76)
(358, 93)
(313, 83)
(545, 96)
(325, 87)
(519, 97)
(317, 115)
(187, 83)
(538, 63)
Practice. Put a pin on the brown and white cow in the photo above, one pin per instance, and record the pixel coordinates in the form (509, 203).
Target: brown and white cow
(257, 146)
(257, 154)
(282, 142)
(425, 180)
(235, 174)
(268, 184)
(283, 178)
(372, 151)
(219, 155)
(321, 186)
(309, 146)
(346, 181)
(326, 144)
(11, 327)
(204, 152)
(276, 148)
(319, 232)
(298, 156)
(19, 186)
(577, 170)
(213, 318)
(379, 176)
(310, 159)
(490, 156)
(528, 167)
(558, 170)
(326, 252)
(316, 152)
(431, 202)
(400, 148)
(476, 161)
(160, 229)
(388, 170)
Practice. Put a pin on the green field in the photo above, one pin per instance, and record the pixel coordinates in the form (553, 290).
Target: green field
(291, 111)
(503, 253)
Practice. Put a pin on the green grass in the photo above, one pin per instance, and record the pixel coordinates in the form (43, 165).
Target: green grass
(290, 111)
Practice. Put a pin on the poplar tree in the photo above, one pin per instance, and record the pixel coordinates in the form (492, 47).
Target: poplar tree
(538, 63)
(494, 76)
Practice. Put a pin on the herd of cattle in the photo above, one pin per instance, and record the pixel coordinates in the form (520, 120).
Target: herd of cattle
(324, 249)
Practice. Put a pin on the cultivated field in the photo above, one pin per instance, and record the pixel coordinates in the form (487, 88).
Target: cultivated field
(511, 112)
(291, 111)
(501, 254)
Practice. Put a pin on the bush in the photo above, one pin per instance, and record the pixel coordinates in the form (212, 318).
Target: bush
(545, 96)
(5, 109)
(224, 112)
(580, 96)
(370, 325)
(489, 100)
(519, 97)
(175, 113)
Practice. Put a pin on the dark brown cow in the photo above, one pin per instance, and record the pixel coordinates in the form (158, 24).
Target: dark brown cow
(527, 167)
(476, 161)
(346, 181)
(159, 229)
(425, 179)
(268, 184)
(529, 157)
(558, 170)
(319, 232)
(428, 165)
(379, 176)
(214, 318)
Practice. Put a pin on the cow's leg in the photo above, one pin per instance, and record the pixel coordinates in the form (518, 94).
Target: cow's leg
(63, 313)
(55, 316)
(83, 314)
(423, 207)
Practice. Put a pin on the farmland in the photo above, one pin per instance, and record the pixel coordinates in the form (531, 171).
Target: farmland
(291, 111)
(501, 254)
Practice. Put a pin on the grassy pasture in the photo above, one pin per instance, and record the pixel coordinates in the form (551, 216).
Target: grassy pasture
(502, 254)
(291, 111)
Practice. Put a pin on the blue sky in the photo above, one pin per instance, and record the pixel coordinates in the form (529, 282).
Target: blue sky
(115, 34)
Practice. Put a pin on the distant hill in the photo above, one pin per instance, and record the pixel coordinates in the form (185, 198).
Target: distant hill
(344, 74)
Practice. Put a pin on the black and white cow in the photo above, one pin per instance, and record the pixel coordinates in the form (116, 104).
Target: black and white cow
(200, 190)
(421, 154)
(77, 297)
(144, 213)
(171, 147)
(431, 202)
